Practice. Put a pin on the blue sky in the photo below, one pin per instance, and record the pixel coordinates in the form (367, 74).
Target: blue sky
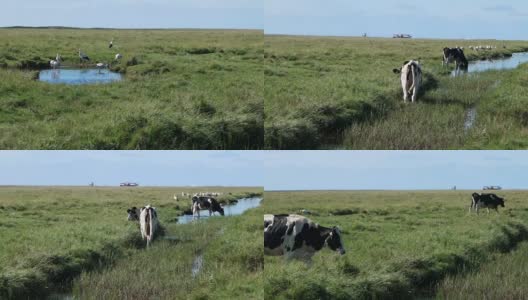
(426, 19)
(148, 168)
(301, 170)
(275, 170)
(246, 14)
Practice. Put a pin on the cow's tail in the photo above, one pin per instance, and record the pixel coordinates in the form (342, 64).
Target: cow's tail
(413, 72)
(150, 230)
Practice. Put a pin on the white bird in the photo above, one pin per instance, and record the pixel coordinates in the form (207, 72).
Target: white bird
(83, 57)
(56, 63)
(118, 56)
(101, 66)
(111, 43)
(175, 197)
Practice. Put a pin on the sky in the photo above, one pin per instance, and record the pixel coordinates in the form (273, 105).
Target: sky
(274, 170)
(394, 170)
(148, 168)
(475, 19)
(229, 14)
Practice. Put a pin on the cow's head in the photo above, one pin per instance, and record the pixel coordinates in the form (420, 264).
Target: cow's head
(501, 201)
(334, 241)
(132, 214)
(221, 209)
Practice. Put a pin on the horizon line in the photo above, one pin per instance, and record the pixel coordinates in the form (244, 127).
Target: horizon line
(139, 186)
(385, 37)
(123, 28)
(390, 190)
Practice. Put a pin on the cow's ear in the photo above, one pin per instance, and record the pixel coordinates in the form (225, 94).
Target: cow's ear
(405, 62)
(129, 210)
(396, 71)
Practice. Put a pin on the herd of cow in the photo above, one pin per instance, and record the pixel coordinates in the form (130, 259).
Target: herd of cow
(291, 235)
(411, 71)
(147, 216)
(295, 236)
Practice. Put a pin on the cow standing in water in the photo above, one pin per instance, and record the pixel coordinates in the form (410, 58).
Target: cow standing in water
(295, 236)
(455, 55)
(209, 203)
(485, 201)
(411, 79)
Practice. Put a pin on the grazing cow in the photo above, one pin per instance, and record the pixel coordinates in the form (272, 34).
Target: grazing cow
(485, 201)
(411, 79)
(296, 236)
(209, 203)
(455, 55)
(148, 223)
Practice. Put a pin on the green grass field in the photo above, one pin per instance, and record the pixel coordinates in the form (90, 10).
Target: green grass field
(53, 235)
(339, 92)
(182, 89)
(399, 244)
(503, 278)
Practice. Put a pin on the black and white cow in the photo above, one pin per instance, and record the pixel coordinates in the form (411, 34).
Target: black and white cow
(133, 214)
(148, 221)
(455, 55)
(485, 201)
(411, 79)
(209, 203)
(295, 236)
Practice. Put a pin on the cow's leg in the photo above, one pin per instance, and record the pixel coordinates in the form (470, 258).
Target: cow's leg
(414, 92)
(405, 92)
(487, 209)
(210, 211)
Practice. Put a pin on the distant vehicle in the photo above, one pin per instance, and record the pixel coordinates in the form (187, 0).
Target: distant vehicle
(492, 187)
(401, 36)
(128, 184)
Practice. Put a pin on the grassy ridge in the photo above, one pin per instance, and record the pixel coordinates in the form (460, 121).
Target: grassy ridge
(328, 92)
(503, 278)
(51, 235)
(399, 244)
(183, 89)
